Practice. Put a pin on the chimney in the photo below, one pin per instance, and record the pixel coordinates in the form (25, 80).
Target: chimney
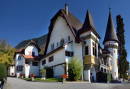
(66, 9)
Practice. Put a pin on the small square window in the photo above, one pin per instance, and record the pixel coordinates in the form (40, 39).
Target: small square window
(44, 62)
(51, 59)
(34, 63)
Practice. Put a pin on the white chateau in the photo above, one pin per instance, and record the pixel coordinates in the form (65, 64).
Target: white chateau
(69, 37)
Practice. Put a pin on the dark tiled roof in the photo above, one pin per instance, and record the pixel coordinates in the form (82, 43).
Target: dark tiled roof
(110, 31)
(105, 51)
(89, 25)
(34, 43)
(19, 50)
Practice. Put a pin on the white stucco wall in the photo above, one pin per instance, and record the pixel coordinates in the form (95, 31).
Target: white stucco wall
(31, 48)
(11, 70)
(114, 58)
(32, 69)
(60, 31)
(21, 63)
(58, 58)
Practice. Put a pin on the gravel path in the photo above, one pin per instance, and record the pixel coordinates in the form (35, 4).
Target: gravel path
(15, 83)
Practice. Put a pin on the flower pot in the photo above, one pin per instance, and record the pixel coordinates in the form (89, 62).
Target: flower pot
(64, 80)
(32, 78)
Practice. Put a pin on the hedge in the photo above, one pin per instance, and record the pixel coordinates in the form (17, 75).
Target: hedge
(3, 71)
(103, 77)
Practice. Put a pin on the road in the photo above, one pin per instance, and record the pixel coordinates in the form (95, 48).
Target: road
(16, 83)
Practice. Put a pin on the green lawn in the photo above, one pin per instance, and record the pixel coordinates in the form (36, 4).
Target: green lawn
(48, 79)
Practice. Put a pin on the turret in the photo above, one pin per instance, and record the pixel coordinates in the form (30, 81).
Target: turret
(111, 44)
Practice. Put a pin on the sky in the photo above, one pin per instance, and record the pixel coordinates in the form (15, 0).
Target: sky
(26, 19)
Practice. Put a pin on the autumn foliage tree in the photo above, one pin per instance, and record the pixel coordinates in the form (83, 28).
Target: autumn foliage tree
(6, 53)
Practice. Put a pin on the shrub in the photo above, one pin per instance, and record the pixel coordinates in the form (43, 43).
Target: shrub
(3, 71)
(74, 68)
(103, 77)
(32, 75)
(49, 72)
(43, 72)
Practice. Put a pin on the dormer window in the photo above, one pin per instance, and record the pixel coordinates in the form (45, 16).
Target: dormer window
(62, 42)
(68, 38)
(52, 47)
(19, 57)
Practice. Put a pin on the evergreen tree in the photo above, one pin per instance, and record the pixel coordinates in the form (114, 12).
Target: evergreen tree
(6, 53)
(122, 54)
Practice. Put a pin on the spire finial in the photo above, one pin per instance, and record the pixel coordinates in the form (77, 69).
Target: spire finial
(109, 7)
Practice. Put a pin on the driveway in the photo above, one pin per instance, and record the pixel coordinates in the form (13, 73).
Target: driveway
(16, 83)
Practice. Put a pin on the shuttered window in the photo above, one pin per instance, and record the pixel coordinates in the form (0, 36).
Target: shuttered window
(51, 59)
(44, 62)
(34, 63)
(69, 54)
(19, 68)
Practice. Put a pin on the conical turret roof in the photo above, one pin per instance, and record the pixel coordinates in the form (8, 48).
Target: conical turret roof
(110, 30)
(89, 25)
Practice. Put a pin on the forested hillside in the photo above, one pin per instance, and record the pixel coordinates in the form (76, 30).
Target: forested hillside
(41, 42)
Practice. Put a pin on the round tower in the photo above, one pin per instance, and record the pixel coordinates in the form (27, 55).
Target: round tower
(111, 44)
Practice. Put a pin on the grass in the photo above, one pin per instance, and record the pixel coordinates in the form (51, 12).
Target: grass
(48, 79)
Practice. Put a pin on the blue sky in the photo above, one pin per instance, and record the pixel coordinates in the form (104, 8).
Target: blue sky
(26, 19)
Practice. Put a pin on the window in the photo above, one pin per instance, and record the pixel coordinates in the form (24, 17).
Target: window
(52, 47)
(114, 51)
(34, 63)
(33, 53)
(94, 49)
(51, 59)
(57, 44)
(44, 62)
(69, 54)
(19, 68)
(86, 50)
(68, 38)
(19, 57)
(115, 73)
(62, 42)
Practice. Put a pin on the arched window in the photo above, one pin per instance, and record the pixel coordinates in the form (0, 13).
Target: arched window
(19, 57)
(62, 42)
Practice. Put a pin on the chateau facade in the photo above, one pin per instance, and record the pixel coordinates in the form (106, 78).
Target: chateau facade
(69, 37)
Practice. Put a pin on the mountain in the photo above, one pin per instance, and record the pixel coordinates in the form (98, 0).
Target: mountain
(41, 42)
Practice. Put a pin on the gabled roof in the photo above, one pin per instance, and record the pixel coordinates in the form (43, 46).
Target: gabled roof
(23, 48)
(110, 30)
(33, 43)
(89, 25)
(73, 23)
(19, 50)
